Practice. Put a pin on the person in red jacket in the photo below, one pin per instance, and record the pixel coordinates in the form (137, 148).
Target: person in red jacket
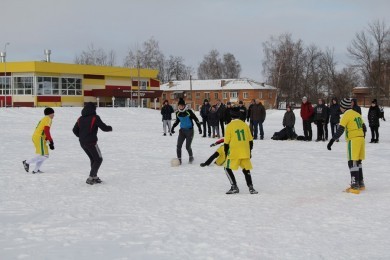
(306, 113)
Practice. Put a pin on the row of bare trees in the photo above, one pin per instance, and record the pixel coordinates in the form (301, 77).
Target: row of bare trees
(292, 67)
(298, 70)
(150, 56)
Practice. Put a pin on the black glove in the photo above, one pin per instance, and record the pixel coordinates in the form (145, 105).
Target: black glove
(214, 144)
(329, 146)
(172, 131)
(200, 131)
(110, 128)
(51, 145)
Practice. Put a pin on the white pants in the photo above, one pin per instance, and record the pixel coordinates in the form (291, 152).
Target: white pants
(38, 160)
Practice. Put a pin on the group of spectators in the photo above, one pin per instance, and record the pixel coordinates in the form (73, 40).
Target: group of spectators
(215, 117)
(321, 115)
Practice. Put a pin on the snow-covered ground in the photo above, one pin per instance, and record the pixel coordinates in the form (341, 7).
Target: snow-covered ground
(146, 209)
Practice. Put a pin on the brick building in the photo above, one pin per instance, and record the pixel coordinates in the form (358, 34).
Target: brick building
(233, 90)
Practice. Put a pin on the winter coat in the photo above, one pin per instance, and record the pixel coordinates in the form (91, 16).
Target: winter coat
(249, 112)
(258, 113)
(242, 112)
(186, 119)
(166, 112)
(320, 113)
(205, 110)
(213, 118)
(227, 117)
(374, 114)
(221, 111)
(87, 125)
(307, 111)
(357, 109)
(289, 119)
(334, 113)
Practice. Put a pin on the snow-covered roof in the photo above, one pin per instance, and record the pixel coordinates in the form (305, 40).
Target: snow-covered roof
(215, 84)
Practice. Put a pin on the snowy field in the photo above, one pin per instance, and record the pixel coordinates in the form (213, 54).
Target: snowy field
(146, 209)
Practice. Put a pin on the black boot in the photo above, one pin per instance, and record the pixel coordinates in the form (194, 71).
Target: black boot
(234, 189)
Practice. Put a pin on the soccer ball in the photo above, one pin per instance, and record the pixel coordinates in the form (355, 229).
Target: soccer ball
(175, 162)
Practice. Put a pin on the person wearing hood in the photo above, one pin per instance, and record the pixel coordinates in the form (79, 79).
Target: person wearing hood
(354, 127)
(166, 112)
(374, 114)
(86, 128)
(185, 117)
(40, 138)
(334, 116)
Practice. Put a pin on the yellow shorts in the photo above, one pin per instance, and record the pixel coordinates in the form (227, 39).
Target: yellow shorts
(40, 145)
(221, 158)
(233, 164)
(356, 149)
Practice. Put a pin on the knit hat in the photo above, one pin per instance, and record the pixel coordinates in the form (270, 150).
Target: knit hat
(304, 98)
(228, 103)
(48, 111)
(346, 103)
(240, 102)
(181, 102)
(374, 101)
(206, 100)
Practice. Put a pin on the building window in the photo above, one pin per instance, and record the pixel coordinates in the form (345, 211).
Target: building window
(189, 95)
(5, 85)
(233, 94)
(207, 95)
(164, 96)
(172, 95)
(197, 95)
(270, 94)
(23, 86)
(245, 95)
(215, 95)
(224, 95)
(144, 84)
(260, 94)
(70, 87)
(48, 86)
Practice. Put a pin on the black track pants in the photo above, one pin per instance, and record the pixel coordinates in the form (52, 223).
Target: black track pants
(95, 156)
(187, 135)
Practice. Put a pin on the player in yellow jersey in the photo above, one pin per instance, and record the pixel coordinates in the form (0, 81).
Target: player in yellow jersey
(238, 144)
(354, 127)
(40, 138)
(219, 155)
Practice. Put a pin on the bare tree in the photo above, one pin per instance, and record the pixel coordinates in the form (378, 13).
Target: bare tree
(231, 68)
(369, 51)
(211, 66)
(94, 56)
(149, 56)
(176, 69)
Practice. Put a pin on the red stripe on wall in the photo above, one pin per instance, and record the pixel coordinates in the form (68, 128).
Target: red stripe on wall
(154, 83)
(23, 104)
(49, 98)
(88, 93)
(109, 87)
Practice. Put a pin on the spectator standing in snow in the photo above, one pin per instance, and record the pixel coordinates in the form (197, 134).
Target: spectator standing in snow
(248, 115)
(204, 112)
(243, 110)
(213, 121)
(221, 115)
(40, 138)
(185, 117)
(373, 117)
(320, 117)
(166, 112)
(227, 116)
(238, 144)
(334, 116)
(289, 122)
(86, 129)
(353, 124)
(307, 112)
(258, 115)
(355, 106)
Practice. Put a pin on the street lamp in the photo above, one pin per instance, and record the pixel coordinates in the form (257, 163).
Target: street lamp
(4, 59)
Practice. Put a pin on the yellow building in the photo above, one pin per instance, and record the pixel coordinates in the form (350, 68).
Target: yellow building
(40, 83)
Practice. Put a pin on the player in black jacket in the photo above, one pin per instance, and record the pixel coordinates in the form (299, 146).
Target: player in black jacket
(185, 117)
(86, 129)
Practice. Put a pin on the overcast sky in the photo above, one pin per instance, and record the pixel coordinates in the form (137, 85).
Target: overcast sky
(182, 27)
